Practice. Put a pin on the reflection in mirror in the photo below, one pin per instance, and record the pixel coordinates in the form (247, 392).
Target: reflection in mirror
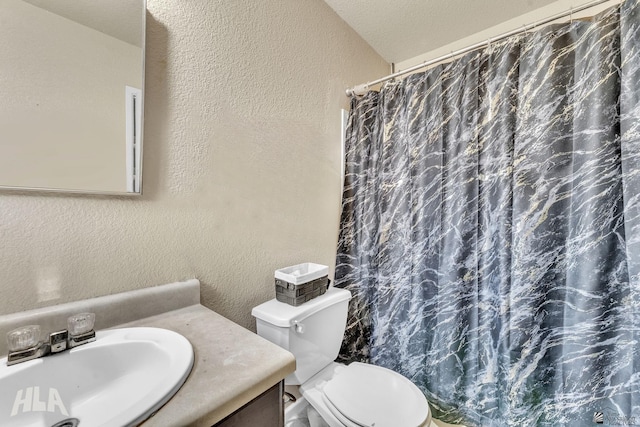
(71, 80)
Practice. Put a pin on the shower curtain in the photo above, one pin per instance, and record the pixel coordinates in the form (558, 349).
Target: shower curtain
(490, 233)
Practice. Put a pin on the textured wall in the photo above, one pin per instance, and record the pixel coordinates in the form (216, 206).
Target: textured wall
(241, 164)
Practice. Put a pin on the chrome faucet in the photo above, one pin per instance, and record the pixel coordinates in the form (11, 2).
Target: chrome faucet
(24, 342)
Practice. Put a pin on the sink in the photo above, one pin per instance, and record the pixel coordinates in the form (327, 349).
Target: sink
(120, 379)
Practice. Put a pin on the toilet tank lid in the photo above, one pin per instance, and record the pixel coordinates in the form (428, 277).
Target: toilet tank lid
(284, 315)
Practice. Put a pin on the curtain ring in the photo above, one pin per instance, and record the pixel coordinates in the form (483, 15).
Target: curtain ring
(571, 15)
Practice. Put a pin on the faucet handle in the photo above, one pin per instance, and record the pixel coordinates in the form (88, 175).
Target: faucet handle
(23, 338)
(80, 324)
(81, 329)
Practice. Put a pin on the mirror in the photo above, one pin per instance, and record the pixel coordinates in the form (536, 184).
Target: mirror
(71, 79)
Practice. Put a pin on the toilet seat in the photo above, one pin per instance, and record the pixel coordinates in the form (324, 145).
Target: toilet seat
(363, 395)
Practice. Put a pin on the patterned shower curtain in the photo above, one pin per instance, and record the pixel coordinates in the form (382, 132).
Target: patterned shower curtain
(490, 232)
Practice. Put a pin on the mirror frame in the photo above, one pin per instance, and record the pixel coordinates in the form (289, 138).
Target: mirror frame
(140, 151)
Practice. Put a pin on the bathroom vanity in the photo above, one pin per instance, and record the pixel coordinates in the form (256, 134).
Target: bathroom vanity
(237, 377)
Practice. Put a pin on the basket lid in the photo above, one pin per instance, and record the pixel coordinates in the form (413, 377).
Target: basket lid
(302, 273)
(282, 314)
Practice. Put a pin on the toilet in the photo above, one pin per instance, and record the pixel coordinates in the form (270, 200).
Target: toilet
(354, 395)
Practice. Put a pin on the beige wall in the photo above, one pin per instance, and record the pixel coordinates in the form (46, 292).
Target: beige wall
(62, 114)
(241, 164)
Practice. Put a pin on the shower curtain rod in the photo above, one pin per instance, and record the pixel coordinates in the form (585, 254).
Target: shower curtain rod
(363, 88)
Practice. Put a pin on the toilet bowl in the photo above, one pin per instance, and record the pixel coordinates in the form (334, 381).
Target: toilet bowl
(366, 395)
(355, 395)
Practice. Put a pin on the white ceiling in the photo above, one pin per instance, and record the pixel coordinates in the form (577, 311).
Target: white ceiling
(403, 29)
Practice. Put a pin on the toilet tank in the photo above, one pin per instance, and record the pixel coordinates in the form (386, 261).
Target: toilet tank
(313, 331)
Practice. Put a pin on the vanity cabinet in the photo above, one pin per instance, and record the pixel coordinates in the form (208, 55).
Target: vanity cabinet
(266, 410)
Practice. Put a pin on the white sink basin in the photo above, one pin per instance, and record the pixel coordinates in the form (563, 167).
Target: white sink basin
(119, 380)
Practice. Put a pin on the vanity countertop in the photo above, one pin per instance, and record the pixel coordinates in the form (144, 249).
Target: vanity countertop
(232, 366)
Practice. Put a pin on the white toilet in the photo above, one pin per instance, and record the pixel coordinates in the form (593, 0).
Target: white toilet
(356, 395)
